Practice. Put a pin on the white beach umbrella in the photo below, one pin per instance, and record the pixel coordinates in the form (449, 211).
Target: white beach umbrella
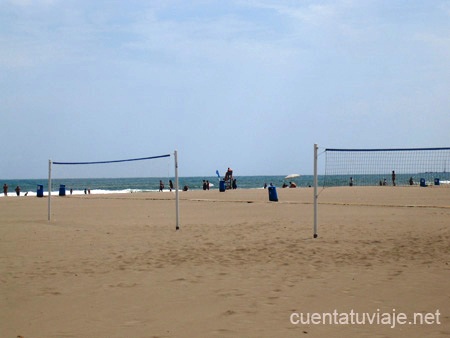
(291, 176)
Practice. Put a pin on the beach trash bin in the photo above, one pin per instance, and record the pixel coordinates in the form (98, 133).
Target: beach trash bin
(436, 181)
(422, 182)
(222, 186)
(62, 190)
(40, 191)
(273, 196)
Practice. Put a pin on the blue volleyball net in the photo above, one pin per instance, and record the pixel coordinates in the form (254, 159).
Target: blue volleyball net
(173, 185)
(122, 175)
(113, 161)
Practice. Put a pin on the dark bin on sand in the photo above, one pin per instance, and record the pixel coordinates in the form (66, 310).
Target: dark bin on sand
(273, 196)
(40, 191)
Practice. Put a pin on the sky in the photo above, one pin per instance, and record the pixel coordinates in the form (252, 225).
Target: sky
(251, 85)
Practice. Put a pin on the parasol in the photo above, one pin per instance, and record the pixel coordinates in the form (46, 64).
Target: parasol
(291, 176)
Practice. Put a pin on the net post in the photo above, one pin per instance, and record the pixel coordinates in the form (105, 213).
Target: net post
(49, 189)
(315, 190)
(175, 155)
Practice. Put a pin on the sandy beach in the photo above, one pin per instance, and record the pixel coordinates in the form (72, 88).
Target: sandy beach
(240, 266)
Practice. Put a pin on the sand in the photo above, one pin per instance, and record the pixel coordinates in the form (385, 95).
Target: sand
(240, 266)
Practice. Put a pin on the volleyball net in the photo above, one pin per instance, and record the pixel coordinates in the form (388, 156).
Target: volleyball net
(380, 167)
(402, 166)
(140, 159)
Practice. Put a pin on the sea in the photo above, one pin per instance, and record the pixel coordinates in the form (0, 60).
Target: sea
(151, 184)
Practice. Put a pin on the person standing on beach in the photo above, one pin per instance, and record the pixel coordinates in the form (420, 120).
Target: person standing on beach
(170, 185)
(5, 189)
(393, 178)
(161, 186)
(17, 191)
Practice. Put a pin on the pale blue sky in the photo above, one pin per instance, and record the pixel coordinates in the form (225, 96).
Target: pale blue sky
(247, 84)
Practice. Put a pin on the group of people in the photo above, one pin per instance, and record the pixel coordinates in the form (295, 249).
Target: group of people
(161, 185)
(290, 185)
(5, 190)
(285, 185)
(393, 176)
(384, 181)
(232, 183)
(205, 185)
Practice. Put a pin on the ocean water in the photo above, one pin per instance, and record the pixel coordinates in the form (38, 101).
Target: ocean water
(148, 184)
(140, 184)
